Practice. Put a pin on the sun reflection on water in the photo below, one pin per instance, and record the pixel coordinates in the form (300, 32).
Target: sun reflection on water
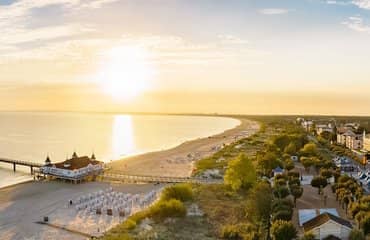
(122, 137)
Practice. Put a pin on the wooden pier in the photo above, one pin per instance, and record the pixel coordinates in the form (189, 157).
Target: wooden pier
(22, 163)
(158, 179)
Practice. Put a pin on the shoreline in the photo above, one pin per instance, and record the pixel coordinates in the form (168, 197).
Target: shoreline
(50, 198)
(173, 161)
(179, 160)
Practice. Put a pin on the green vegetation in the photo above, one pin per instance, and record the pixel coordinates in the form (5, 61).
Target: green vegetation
(356, 235)
(319, 182)
(182, 192)
(170, 205)
(283, 230)
(239, 232)
(246, 206)
(167, 209)
(308, 236)
(240, 173)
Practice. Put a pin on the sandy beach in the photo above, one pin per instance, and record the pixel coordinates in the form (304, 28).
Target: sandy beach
(22, 205)
(179, 161)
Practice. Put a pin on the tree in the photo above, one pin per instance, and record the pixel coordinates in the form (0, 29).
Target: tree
(283, 230)
(281, 192)
(365, 224)
(306, 162)
(310, 149)
(284, 214)
(326, 173)
(291, 149)
(288, 164)
(240, 173)
(319, 182)
(259, 205)
(267, 162)
(297, 192)
(356, 235)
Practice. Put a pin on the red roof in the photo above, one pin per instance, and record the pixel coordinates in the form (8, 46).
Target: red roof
(77, 163)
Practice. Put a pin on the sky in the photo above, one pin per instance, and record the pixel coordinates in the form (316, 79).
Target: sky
(186, 56)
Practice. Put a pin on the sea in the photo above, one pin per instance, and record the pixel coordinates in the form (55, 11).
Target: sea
(32, 136)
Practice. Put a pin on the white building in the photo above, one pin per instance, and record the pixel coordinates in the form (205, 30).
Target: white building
(366, 141)
(308, 125)
(350, 139)
(75, 168)
(327, 224)
(320, 128)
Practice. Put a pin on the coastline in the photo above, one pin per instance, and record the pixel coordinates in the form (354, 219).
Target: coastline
(11, 178)
(50, 198)
(173, 161)
(179, 161)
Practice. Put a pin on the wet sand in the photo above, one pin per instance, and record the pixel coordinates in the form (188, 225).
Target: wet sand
(179, 161)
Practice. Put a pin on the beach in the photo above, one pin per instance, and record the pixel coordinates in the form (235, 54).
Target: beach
(22, 205)
(179, 161)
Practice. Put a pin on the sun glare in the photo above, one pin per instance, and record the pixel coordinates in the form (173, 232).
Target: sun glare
(126, 72)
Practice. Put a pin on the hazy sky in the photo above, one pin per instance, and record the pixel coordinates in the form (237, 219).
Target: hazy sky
(226, 56)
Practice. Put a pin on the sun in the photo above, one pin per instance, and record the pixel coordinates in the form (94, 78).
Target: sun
(126, 72)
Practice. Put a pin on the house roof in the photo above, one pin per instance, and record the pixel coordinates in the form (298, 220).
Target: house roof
(278, 169)
(76, 163)
(322, 219)
(349, 133)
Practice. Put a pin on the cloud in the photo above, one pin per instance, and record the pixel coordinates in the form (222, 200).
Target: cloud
(97, 3)
(357, 24)
(274, 11)
(335, 2)
(230, 39)
(365, 4)
(14, 36)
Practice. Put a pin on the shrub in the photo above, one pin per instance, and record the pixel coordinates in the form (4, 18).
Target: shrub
(283, 215)
(182, 192)
(365, 224)
(295, 181)
(326, 173)
(281, 192)
(238, 232)
(285, 203)
(280, 182)
(356, 235)
(293, 174)
(308, 236)
(130, 224)
(167, 209)
(283, 230)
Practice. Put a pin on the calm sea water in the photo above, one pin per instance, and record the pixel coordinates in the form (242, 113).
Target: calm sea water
(31, 136)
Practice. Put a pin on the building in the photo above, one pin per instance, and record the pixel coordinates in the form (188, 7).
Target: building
(350, 139)
(321, 128)
(308, 125)
(366, 141)
(278, 171)
(74, 169)
(327, 224)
